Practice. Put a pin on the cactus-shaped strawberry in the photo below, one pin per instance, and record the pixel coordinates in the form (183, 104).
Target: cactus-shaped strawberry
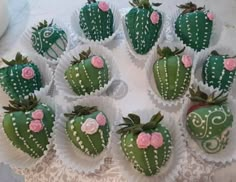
(143, 25)
(28, 125)
(87, 74)
(20, 78)
(194, 26)
(96, 20)
(172, 73)
(88, 129)
(49, 40)
(146, 146)
(209, 121)
(219, 71)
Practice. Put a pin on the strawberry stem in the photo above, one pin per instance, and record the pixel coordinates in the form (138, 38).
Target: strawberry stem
(167, 52)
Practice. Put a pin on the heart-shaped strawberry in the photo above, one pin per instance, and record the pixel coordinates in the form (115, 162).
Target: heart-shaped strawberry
(143, 25)
(87, 74)
(210, 122)
(219, 71)
(194, 26)
(88, 129)
(28, 125)
(146, 146)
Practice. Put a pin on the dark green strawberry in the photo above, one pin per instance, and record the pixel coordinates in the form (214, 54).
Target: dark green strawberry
(146, 146)
(172, 73)
(88, 129)
(194, 26)
(20, 78)
(209, 121)
(96, 20)
(28, 125)
(143, 24)
(87, 74)
(219, 71)
(49, 40)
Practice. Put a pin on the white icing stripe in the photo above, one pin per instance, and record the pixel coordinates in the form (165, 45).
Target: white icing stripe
(91, 143)
(177, 77)
(147, 162)
(166, 79)
(86, 73)
(159, 77)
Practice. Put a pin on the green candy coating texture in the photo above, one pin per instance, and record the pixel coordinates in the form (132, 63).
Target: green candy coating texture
(214, 73)
(16, 127)
(50, 41)
(142, 33)
(210, 127)
(91, 145)
(171, 77)
(15, 85)
(194, 29)
(96, 24)
(84, 78)
(150, 160)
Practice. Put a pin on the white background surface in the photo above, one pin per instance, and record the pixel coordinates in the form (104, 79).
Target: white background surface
(24, 13)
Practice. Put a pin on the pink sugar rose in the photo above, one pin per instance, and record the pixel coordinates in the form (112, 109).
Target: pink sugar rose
(101, 119)
(187, 61)
(97, 62)
(36, 126)
(210, 16)
(90, 126)
(27, 73)
(154, 17)
(230, 64)
(37, 114)
(143, 140)
(103, 6)
(156, 140)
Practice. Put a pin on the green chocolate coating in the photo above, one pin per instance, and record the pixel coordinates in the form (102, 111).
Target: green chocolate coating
(210, 127)
(91, 145)
(142, 33)
(194, 29)
(15, 85)
(214, 73)
(150, 160)
(171, 77)
(16, 127)
(96, 24)
(84, 78)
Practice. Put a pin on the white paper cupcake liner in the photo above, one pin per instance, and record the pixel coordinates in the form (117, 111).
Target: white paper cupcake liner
(135, 57)
(171, 170)
(202, 57)
(216, 29)
(71, 156)
(75, 22)
(226, 155)
(16, 157)
(27, 42)
(62, 84)
(172, 106)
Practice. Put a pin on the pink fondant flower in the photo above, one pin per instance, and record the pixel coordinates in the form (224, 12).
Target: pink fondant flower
(103, 6)
(230, 64)
(210, 16)
(97, 62)
(156, 140)
(187, 61)
(143, 140)
(154, 17)
(90, 126)
(37, 114)
(27, 73)
(36, 126)
(101, 119)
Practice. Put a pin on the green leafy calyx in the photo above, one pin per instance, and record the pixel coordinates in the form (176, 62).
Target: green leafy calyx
(22, 105)
(42, 25)
(196, 95)
(82, 56)
(190, 7)
(143, 4)
(167, 52)
(133, 124)
(81, 111)
(91, 1)
(19, 59)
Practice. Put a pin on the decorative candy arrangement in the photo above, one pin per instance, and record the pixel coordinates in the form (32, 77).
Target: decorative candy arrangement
(89, 129)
